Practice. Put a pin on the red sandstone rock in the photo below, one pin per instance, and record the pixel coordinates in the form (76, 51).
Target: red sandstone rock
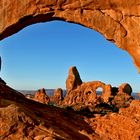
(73, 80)
(58, 96)
(86, 94)
(124, 125)
(24, 119)
(41, 96)
(126, 88)
(122, 100)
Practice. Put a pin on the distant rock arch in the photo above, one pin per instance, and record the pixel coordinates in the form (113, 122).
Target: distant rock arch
(117, 21)
(86, 93)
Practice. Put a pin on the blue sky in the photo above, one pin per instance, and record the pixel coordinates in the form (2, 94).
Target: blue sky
(40, 56)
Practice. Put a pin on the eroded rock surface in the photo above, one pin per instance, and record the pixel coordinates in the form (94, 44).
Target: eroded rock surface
(57, 98)
(41, 96)
(24, 119)
(118, 21)
(73, 80)
(120, 126)
(85, 95)
(126, 88)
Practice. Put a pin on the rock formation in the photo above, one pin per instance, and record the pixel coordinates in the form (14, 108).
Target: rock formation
(85, 94)
(124, 125)
(118, 21)
(73, 80)
(57, 98)
(41, 96)
(126, 88)
(122, 97)
(24, 119)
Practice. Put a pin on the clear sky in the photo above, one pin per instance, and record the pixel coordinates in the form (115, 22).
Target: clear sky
(40, 55)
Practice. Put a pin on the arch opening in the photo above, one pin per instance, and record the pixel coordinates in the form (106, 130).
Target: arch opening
(99, 90)
(87, 46)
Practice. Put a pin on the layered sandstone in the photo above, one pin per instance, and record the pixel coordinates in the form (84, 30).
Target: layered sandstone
(118, 21)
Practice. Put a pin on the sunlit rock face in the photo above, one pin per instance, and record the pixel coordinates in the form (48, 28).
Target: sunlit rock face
(41, 96)
(73, 80)
(85, 94)
(57, 98)
(118, 21)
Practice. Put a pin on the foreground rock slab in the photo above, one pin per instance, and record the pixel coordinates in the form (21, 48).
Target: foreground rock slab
(24, 119)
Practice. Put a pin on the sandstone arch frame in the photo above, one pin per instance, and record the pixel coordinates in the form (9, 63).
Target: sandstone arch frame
(118, 21)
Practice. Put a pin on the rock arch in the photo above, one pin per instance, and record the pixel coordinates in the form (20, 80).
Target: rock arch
(86, 93)
(117, 20)
(93, 86)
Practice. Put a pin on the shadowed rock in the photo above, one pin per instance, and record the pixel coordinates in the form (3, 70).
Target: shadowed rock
(126, 88)
(24, 119)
